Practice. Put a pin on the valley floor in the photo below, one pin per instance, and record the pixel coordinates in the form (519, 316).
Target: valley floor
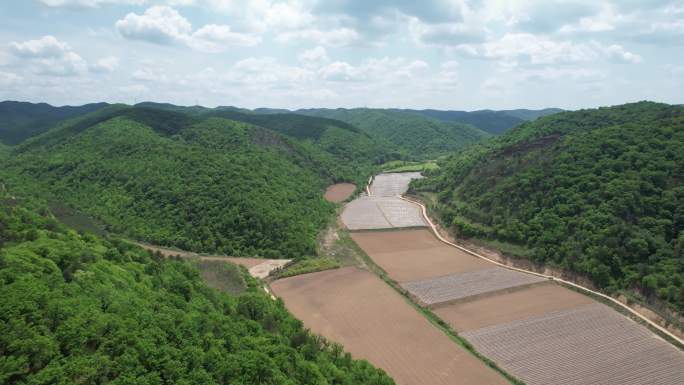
(532, 328)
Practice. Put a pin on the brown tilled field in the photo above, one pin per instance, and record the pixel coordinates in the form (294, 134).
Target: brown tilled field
(507, 307)
(339, 192)
(410, 255)
(357, 309)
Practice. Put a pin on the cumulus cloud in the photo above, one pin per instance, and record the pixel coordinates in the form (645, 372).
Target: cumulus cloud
(165, 25)
(159, 24)
(335, 37)
(50, 56)
(89, 3)
(106, 64)
(537, 49)
(47, 46)
(314, 57)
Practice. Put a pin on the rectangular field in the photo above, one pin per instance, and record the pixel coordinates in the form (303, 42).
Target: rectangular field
(445, 289)
(586, 345)
(392, 184)
(410, 255)
(357, 309)
(507, 307)
(372, 213)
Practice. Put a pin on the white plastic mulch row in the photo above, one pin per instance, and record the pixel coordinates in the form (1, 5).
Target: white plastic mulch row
(393, 184)
(370, 213)
(448, 288)
(591, 344)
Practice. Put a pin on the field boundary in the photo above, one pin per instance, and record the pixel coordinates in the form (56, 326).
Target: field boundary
(377, 270)
(585, 290)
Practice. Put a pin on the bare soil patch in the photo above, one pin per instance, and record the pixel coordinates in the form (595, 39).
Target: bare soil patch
(357, 309)
(506, 307)
(410, 255)
(339, 192)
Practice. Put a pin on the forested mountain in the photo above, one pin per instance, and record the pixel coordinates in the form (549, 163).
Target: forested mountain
(201, 183)
(493, 122)
(417, 136)
(21, 120)
(77, 309)
(599, 192)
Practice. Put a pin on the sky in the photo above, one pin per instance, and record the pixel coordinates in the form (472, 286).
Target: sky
(442, 54)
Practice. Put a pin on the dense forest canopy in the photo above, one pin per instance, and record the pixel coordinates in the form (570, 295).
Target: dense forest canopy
(599, 192)
(200, 183)
(418, 137)
(493, 122)
(21, 120)
(77, 309)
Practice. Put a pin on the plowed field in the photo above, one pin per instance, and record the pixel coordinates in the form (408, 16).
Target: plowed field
(357, 309)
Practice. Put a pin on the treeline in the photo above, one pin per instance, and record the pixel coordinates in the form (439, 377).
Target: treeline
(197, 183)
(599, 192)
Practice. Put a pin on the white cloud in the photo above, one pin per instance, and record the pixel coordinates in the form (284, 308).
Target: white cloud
(159, 24)
(49, 56)
(314, 57)
(215, 38)
(618, 53)
(539, 49)
(106, 64)
(165, 25)
(89, 3)
(333, 37)
(47, 46)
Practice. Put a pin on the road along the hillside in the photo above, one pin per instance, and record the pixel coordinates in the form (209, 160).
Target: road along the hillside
(550, 277)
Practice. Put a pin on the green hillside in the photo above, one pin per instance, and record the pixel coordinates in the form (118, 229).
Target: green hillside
(76, 309)
(418, 137)
(199, 183)
(20, 120)
(598, 192)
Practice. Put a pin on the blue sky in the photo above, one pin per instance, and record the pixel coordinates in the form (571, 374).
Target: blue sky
(446, 54)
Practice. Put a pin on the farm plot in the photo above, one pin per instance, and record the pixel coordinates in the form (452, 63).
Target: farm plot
(369, 213)
(590, 344)
(393, 184)
(357, 309)
(454, 287)
(339, 192)
(409, 255)
(507, 307)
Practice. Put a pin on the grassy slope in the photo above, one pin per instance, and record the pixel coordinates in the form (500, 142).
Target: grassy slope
(79, 309)
(417, 136)
(214, 185)
(599, 192)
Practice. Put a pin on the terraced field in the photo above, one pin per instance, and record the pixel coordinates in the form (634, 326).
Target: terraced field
(357, 309)
(589, 344)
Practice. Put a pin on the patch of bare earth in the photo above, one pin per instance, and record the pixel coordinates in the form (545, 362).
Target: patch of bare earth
(357, 309)
(506, 307)
(410, 255)
(339, 192)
